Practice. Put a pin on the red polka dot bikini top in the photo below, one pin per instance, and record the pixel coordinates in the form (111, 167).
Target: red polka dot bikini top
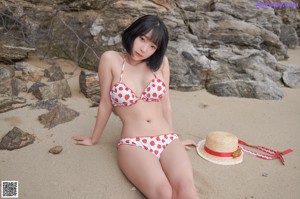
(122, 95)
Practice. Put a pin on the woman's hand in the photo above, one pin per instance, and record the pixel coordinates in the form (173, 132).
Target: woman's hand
(82, 140)
(188, 144)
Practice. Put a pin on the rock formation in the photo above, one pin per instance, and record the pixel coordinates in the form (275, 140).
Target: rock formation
(230, 48)
(15, 139)
(58, 115)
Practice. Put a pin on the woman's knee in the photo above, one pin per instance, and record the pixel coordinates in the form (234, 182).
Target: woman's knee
(185, 188)
(163, 191)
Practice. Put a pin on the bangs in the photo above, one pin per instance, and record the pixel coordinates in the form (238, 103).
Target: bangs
(156, 36)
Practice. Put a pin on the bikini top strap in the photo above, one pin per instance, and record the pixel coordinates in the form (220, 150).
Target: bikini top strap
(122, 71)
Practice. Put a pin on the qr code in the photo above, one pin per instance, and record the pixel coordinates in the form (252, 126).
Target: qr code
(9, 189)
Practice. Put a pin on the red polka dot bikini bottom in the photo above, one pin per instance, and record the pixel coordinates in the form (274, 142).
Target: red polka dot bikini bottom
(153, 144)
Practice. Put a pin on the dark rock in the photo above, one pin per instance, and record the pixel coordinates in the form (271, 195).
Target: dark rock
(6, 71)
(6, 86)
(28, 72)
(8, 103)
(6, 75)
(10, 54)
(265, 90)
(95, 99)
(187, 56)
(15, 139)
(35, 86)
(9, 85)
(288, 36)
(54, 73)
(56, 90)
(185, 72)
(291, 79)
(58, 115)
(18, 86)
(56, 150)
(89, 83)
(48, 104)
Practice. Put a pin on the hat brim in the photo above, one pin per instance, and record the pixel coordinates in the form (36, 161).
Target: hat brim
(217, 160)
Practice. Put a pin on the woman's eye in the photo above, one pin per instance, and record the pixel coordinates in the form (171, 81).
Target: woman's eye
(142, 38)
(153, 47)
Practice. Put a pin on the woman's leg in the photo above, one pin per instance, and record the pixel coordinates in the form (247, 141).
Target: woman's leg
(176, 165)
(144, 170)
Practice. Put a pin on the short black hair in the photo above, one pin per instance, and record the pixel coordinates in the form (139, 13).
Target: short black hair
(160, 37)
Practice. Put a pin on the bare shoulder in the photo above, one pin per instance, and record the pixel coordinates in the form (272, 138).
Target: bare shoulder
(165, 64)
(110, 54)
(166, 60)
(110, 58)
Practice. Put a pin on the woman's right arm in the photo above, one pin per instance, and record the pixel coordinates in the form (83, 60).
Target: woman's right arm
(105, 106)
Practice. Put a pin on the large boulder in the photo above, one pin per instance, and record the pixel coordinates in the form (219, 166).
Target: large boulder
(83, 30)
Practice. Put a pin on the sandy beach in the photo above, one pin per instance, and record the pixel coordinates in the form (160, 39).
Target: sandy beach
(81, 172)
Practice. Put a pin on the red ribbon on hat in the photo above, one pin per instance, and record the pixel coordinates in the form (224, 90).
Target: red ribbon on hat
(273, 154)
(233, 154)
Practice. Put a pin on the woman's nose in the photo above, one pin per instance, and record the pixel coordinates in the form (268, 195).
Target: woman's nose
(145, 47)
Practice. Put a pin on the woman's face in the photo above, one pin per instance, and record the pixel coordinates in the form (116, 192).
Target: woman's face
(143, 47)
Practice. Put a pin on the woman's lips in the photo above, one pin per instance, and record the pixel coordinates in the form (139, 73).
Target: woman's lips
(138, 54)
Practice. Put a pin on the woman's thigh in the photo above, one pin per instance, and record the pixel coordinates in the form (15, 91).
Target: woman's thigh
(176, 164)
(142, 168)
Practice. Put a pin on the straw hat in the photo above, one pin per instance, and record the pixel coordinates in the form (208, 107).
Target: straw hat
(220, 148)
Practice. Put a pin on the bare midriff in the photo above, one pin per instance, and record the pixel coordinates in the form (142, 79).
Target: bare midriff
(143, 119)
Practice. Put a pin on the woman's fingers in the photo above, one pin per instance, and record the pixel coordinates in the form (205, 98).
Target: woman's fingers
(82, 140)
(78, 138)
(187, 148)
(79, 142)
(188, 143)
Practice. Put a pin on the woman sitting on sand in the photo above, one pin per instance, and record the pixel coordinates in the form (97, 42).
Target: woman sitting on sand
(136, 84)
